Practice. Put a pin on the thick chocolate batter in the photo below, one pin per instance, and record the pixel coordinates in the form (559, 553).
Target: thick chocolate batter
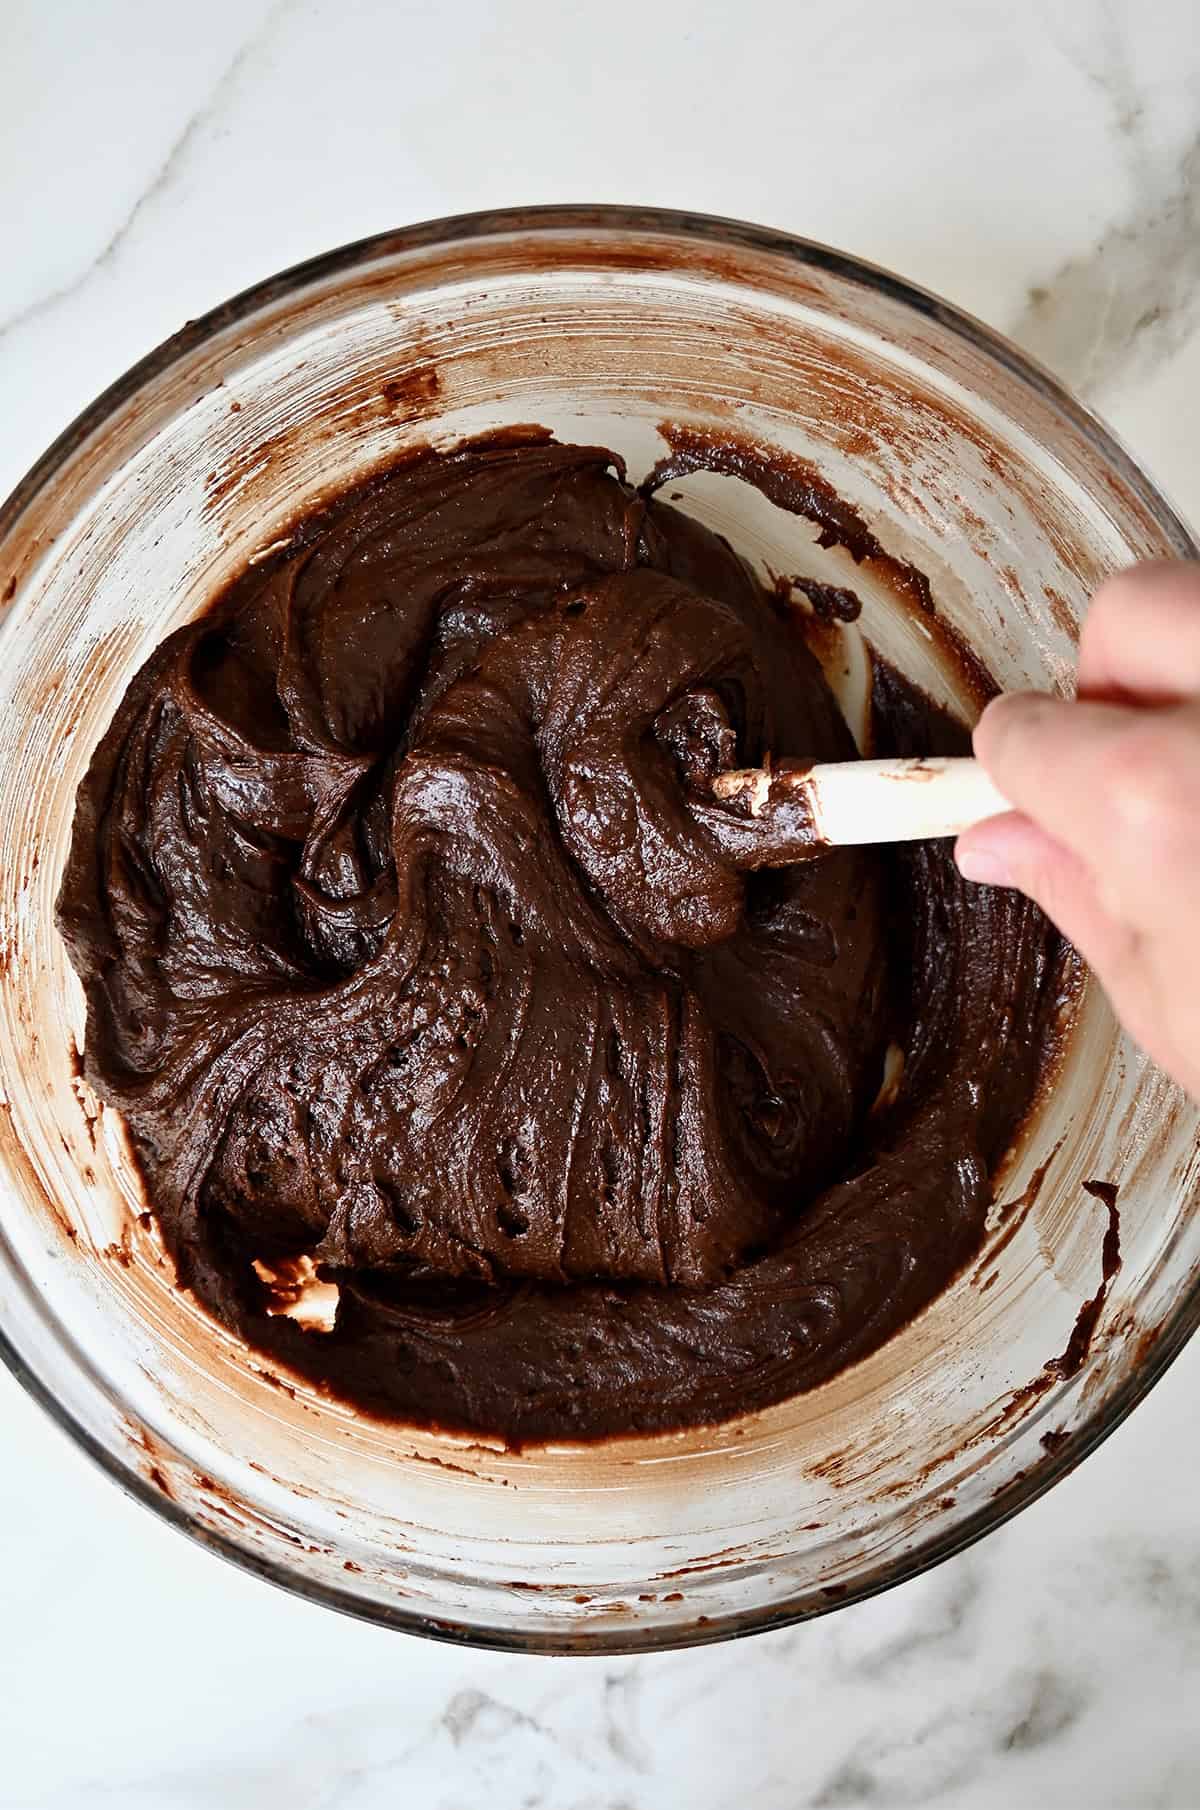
(418, 955)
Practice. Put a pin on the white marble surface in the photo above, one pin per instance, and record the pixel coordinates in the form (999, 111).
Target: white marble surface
(1038, 163)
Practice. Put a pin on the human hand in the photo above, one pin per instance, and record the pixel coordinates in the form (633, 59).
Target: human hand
(1106, 831)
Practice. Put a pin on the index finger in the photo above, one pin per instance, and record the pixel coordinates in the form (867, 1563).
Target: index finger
(1141, 636)
(1117, 785)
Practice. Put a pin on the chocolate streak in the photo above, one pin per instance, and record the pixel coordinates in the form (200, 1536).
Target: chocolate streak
(415, 966)
(1088, 1318)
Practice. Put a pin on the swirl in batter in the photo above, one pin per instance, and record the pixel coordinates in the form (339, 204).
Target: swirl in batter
(418, 957)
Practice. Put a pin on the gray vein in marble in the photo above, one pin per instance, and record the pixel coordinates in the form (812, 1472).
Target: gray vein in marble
(1101, 54)
(622, 1691)
(947, 1622)
(1127, 305)
(1028, 1710)
(1056, 1704)
(1168, 1586)
(472, 1714)
(163, 179)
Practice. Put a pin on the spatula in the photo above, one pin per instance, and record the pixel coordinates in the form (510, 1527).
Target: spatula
(791, 812)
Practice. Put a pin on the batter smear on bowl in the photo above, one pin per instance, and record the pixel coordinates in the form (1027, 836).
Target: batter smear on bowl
(420, 961)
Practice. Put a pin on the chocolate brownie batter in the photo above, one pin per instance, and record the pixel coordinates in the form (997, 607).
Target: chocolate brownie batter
(420, 958)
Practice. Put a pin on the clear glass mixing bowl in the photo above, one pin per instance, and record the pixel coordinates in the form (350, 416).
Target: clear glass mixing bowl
(601, 324)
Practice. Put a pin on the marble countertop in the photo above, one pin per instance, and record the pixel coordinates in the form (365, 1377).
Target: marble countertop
(1038, 163)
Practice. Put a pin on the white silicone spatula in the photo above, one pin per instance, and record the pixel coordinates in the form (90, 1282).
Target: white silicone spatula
(855, 801)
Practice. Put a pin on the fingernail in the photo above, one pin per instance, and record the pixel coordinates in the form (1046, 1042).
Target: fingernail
(983, 866)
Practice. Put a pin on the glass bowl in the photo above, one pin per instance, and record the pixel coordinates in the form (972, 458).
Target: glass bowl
(601, 324)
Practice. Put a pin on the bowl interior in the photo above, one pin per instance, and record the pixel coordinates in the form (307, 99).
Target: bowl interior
(601, 327)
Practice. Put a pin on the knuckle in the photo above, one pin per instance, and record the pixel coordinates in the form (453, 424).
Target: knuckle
(1117, 615)
(1142, 782)
(1126, 590)
(1003, 732)
(1112, 607)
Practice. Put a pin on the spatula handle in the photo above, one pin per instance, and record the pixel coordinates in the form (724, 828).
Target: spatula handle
(858, 801)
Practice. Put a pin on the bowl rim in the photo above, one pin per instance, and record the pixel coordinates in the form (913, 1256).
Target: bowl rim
(708, 230)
